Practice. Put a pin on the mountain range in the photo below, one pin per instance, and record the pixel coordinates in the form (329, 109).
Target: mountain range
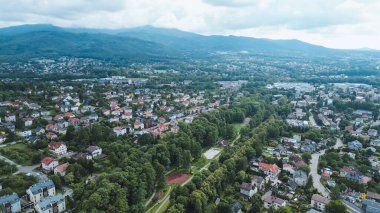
(28, 41)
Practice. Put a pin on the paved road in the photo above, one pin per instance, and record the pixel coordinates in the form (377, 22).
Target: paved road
(26, 169)
(316, 177)
(351, 207)
(314, 173)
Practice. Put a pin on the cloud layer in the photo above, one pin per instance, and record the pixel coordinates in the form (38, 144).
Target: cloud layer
(333, 23)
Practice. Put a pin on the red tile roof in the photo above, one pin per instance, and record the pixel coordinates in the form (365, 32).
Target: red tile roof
(47, 160)
(269, 167)
(62, 167)
(55, 145)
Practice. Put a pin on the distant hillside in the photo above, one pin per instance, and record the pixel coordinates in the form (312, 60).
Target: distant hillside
(42, 42)
(28, 41)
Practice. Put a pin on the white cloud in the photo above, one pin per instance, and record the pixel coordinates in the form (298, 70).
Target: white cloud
(335, 23)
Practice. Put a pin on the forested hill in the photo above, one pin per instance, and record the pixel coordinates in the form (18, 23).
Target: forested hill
(29, 41)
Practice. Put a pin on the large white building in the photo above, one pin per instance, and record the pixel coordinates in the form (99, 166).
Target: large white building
(53, 204)
(40, 190)
(49, 163)
(58, 148)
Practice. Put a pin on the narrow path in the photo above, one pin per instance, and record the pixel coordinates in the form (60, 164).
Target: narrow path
(150, 199)
(166, 199)
(162, 202)
(9, 161)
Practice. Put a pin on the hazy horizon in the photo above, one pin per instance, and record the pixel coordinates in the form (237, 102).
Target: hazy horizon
(341, 24)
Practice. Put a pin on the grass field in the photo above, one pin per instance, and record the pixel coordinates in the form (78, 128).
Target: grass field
(21, 154)
(239, 126)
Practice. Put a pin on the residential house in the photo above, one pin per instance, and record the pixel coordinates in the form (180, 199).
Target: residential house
(138, 125)
(39, 131)
(25, 133)
(247, 190)
(351, 173)
(51, 136)
(272, 201)
(10, 203)
(319, 202)
(10, 118)
(126, 116)
(119, 130)
(40, 190)
(53, 204)
(28, 122)
(61, 169)
(113, 119)
(58, 148)
(355, 145)
(258, 182)
(289, 168)
(373, 196)
(372, 132)
(375, 142)
(300, 177)
(271, 170)
(94, 151)
(35, 114)
(93, 117)
(48, 163)
(236, 208)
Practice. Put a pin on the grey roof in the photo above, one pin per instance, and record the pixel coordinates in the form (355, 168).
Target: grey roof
(300, 174)
(12, 198)
(320, 199)
(257, 179)
(236, 207)
(272, 199)
(246, 186)
(38, 187)
(91, 149)
(47, 202)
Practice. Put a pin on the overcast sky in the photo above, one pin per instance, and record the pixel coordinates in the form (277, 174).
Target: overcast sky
(332, 23)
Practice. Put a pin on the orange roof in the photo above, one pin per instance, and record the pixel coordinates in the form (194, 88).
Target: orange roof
(55, 145)
(68, 114)
(47, 160)
(62, 167)
(269, 167)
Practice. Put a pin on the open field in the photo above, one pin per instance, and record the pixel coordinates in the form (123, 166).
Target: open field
(21, 154)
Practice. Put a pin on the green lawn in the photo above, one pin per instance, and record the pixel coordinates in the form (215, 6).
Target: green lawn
(377, 154)
(239, 126)
(21, 153)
